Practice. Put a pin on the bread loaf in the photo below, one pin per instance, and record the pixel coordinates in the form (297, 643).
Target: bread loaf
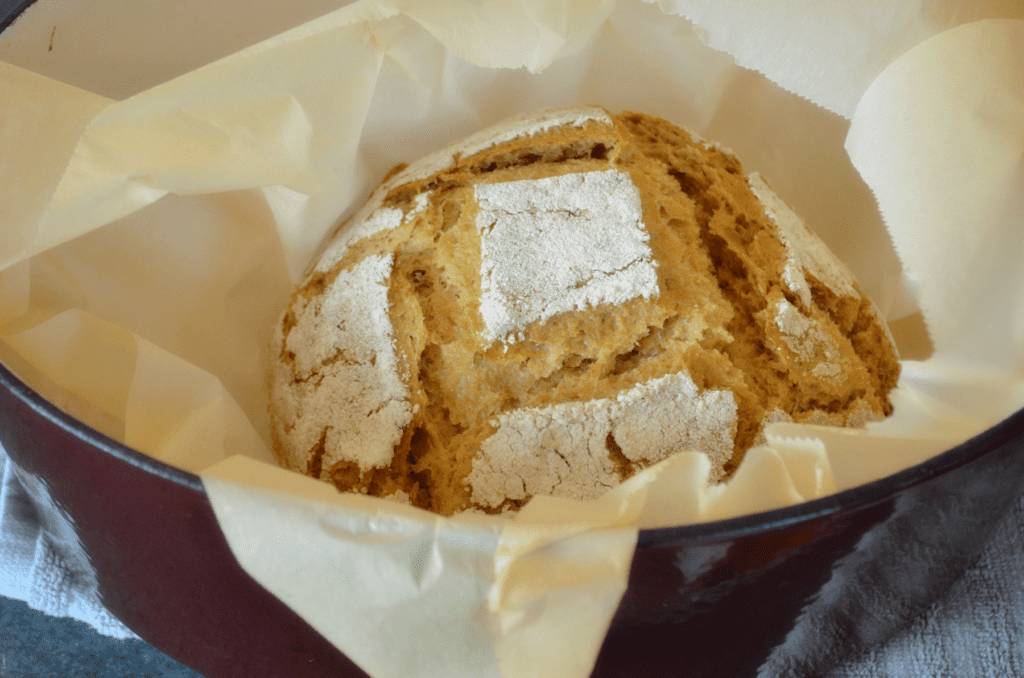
(557, 302)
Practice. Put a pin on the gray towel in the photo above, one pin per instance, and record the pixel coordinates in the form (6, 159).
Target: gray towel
(974, 629)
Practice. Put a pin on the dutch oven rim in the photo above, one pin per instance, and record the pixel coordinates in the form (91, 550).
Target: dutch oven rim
(10, 15)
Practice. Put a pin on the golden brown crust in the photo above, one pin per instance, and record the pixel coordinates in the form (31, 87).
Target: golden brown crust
(732, 313)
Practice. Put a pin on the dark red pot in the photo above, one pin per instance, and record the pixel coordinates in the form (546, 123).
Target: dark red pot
(706, 600)
(703, 600)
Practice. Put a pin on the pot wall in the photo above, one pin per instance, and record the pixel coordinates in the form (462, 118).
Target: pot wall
(801, 588)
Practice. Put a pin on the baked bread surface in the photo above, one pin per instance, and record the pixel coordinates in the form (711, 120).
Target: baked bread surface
(557, 302)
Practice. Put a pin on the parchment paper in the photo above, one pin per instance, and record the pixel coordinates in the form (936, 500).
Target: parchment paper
(149, 243)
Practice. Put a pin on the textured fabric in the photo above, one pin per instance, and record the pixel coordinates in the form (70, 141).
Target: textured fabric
(41, 561)
(900, 568)
(976, 629)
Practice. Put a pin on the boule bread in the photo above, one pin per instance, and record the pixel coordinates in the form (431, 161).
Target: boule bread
(559, 301)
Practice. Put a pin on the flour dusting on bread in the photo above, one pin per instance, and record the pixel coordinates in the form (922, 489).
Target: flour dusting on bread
(544, 248)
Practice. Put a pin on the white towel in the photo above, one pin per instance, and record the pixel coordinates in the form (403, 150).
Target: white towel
(975, 629)
(41, 559)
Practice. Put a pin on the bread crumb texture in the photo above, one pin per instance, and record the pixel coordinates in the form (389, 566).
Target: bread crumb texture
(557, 302)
